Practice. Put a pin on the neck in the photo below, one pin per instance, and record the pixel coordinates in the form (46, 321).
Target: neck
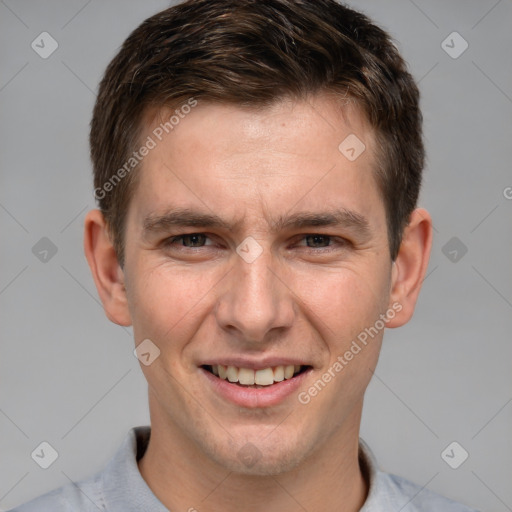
(183, 478)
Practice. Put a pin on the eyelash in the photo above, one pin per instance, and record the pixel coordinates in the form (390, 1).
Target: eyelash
(341, 241)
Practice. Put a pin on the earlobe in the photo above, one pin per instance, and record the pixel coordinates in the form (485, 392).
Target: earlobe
(106, 271)
(410, 266)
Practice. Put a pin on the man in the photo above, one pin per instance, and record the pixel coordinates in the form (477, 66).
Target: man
(257, 167)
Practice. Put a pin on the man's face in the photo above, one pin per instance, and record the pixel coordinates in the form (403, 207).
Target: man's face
(274, 283)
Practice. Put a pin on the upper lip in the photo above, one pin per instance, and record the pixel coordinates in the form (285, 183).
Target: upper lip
(255, 364)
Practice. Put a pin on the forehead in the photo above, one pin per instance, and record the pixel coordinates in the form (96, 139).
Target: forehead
(264, 162)
(219, 127)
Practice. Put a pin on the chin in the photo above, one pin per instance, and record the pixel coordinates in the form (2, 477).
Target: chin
(268, 464)
(260, 457)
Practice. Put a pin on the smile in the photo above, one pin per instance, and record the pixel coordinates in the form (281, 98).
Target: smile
(255, 378)
(254, 388)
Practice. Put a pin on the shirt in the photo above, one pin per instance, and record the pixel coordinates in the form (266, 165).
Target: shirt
(119, 487)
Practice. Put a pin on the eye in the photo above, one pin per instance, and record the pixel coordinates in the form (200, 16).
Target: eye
(192, 240)
(315, 241)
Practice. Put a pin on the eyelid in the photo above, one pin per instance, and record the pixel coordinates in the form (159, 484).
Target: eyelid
(175, 238)
(334, 240)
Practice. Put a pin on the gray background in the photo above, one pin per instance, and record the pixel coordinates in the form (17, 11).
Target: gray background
(69, 377)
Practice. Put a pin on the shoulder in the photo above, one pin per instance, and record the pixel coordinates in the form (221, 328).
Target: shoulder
(391, 492)
(410, 497)
(118, 485)
(84, 496)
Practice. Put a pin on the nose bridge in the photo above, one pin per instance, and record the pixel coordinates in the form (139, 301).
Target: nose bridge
(254, 301)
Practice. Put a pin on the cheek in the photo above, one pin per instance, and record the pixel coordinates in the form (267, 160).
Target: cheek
(164, 300)
(341, 302)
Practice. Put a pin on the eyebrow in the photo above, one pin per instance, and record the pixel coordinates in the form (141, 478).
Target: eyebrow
(185, 217)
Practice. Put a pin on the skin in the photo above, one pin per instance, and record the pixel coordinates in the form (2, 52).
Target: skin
(303, 297)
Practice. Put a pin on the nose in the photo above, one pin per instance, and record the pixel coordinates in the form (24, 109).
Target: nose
(255, 304)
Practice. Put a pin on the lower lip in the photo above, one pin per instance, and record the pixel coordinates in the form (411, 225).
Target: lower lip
(253, 398)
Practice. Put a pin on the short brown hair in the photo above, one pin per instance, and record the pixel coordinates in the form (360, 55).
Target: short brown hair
(252, 53)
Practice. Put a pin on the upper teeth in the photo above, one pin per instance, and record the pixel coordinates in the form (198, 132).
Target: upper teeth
(247, 376)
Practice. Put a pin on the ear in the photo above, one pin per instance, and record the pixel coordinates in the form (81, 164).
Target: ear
(105, 268)
(410, 266)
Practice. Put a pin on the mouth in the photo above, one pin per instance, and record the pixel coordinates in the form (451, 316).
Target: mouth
(253, 378)
(255, 384)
